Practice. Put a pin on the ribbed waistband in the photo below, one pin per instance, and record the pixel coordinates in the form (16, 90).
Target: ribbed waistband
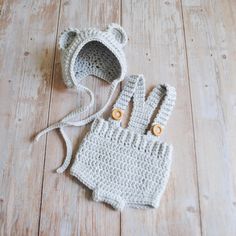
(128, 138)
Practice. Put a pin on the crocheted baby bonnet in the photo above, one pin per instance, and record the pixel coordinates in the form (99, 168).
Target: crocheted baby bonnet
(128, 166)
(83, 53)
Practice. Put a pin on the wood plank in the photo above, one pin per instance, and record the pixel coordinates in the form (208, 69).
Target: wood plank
(27, 39)
(67, 208)
(211, 36)
(156, 49)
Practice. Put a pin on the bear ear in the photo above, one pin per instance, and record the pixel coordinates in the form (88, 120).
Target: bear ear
(119, 33)
(67, 37)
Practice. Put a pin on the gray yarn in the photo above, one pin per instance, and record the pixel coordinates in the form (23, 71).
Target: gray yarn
(83, 53)
(128, 166)
(123, 166)
(93, 52)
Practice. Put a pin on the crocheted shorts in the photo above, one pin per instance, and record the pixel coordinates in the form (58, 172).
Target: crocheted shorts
(122, 167)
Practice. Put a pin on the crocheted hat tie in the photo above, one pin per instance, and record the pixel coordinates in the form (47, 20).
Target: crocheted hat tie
(72, 120)
(83, 53)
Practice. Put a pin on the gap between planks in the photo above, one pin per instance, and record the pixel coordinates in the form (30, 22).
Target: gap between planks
(191, 106)
(48, 117)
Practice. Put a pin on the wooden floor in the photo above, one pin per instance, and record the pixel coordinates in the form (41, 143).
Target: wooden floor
(190, 44)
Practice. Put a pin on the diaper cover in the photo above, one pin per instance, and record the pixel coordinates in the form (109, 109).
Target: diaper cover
(128, 166)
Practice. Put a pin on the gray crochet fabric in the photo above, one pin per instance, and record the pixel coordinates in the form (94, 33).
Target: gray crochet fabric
(93, 52)
(83, 53)
(128, 166)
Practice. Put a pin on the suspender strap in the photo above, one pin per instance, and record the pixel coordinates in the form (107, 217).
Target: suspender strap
(167, 104)
(163, 96)
(73, 119)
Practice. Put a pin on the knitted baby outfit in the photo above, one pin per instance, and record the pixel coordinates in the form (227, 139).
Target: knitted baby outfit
(128, 166)
(83, 53)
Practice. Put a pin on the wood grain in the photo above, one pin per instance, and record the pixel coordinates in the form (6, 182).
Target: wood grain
(27, 40)
(67, 208)
(156, 49)
(188, 43)
(210, 38)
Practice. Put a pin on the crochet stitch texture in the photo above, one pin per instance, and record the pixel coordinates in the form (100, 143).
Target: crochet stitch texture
(89, 52)
(93, 52)
(128, 166)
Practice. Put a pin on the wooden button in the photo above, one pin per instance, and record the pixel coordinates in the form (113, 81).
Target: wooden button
(117, 114)
(157, 130)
